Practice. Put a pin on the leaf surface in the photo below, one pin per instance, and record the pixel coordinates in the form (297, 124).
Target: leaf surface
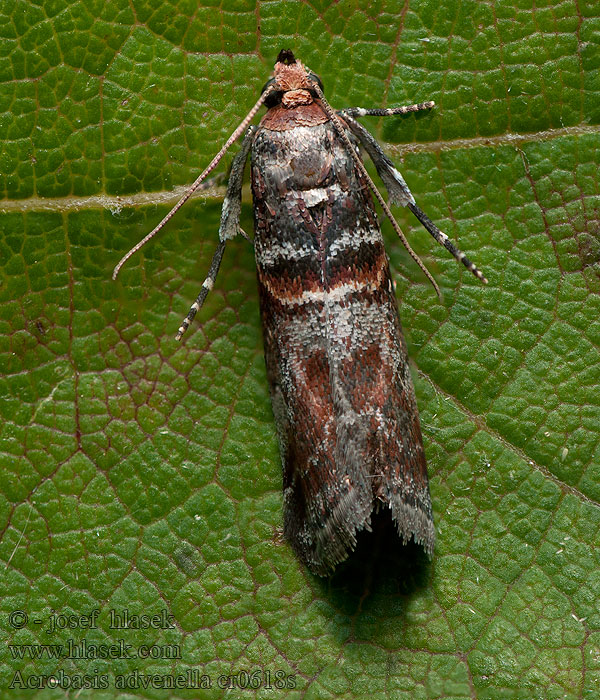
(141, 474)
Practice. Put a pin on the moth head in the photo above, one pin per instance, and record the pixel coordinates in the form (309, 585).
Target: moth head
(293, 83)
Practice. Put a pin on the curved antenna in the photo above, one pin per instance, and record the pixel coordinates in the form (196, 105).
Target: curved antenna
(209, 168)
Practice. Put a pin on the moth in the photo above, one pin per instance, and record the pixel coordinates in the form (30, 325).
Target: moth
(336, 359)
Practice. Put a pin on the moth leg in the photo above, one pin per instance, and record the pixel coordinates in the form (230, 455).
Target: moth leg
(406, 109)
(340, 127)
(207, 285)
(443, 239)
(400, 194)
(392, 179)
(198, 181)
(232, 204)
(229, 227)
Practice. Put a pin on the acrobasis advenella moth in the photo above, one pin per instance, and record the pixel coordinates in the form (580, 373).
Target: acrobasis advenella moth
(337, 365)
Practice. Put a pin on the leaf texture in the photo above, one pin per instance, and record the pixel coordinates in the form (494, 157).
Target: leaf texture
(138, 473)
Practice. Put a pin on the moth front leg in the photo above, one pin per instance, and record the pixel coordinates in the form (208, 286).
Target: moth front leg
(386, 111)
(229, 227)
(398, 189)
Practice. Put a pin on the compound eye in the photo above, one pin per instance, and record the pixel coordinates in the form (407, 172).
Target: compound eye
(313, 77)
(268, 85)
(275, 97)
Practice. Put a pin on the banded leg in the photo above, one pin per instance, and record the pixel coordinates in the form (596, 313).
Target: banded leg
(207, 285)
(385, 112)
(400, 194)
(392, 179)
(340, 127)
(232, 204)
(443, 239)
(229, 227)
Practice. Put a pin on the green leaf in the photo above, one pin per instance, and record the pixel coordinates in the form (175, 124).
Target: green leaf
(142, 474)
